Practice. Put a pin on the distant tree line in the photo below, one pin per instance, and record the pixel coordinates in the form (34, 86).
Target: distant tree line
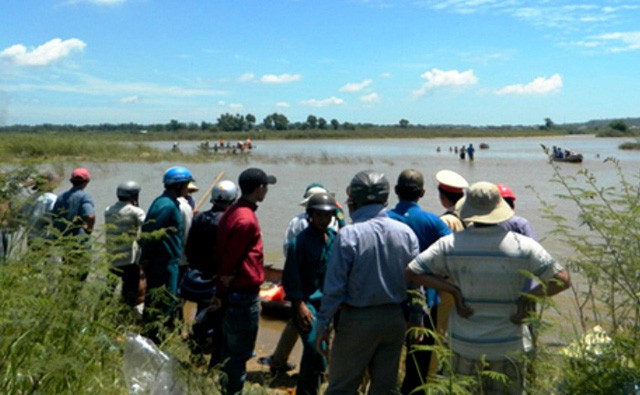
(279, 122)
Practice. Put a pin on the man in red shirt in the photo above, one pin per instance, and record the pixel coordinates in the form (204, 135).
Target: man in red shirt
(240, 274)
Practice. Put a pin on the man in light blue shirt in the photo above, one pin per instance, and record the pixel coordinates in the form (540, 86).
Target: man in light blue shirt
(365, 286)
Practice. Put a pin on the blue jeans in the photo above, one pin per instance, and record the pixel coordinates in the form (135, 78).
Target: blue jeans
(240, 331)
(312, 363)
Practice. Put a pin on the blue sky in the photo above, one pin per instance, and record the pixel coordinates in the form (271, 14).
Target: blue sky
(477, 62)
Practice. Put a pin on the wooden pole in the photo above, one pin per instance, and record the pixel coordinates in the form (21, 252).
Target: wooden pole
(203, 198)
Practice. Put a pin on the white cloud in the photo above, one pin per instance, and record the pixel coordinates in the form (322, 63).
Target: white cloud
(130, 99)
(539, 86)
(437, 78)
(89, 85)
(283, 104)
(280, 79)
(630, 41)
(246, 77)
(370, 98)
(43, 55)
(235, 106)
(386, 74)
(355, 86)
(330, 101)
(222, 103)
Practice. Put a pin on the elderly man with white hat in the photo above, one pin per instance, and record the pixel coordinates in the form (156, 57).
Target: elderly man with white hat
(485, 268)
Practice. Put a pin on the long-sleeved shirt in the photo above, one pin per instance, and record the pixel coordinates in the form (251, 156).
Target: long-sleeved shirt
(164, 214)
(367, 263)
(306, 264)
(239, 249)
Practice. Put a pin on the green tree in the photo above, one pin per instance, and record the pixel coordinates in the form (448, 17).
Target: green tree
(312, 121)
(280, 122)
(335, 124)
(548, 124)
(251, 121)
(231, 123)
(268, 122)
(404, 123)
(619, 125)
(322, 123)
(173, 126)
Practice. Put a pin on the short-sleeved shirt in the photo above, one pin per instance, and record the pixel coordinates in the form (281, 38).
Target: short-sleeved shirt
(488, 265)
(71, 210)
(123, 221)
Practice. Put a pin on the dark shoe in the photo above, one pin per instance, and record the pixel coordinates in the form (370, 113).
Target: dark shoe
(276, 370)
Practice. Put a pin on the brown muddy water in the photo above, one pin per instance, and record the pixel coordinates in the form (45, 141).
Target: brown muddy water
(517, 162)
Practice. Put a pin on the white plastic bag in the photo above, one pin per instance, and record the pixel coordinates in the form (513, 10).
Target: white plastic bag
(148, 370)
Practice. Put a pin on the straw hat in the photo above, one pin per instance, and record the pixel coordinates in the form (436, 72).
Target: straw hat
(483, 204)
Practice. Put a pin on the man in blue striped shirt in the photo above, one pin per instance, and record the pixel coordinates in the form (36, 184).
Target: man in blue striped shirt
(485, 266)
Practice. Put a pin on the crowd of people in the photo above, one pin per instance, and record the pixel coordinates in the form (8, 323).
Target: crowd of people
(360, 290)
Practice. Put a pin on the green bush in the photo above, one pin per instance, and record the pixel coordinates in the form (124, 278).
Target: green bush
(605, 263)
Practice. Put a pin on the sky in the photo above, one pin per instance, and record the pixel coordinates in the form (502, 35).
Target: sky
(431, 62)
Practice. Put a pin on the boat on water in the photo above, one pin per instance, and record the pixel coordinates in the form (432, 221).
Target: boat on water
(272, 295)
(484, 146)
(572, 158)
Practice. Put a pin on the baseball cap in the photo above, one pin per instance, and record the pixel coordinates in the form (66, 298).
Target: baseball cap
(192, 187)
(80, 174)
(253, 177)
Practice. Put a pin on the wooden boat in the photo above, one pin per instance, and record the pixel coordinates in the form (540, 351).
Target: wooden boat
(272, 295)
(573, 158)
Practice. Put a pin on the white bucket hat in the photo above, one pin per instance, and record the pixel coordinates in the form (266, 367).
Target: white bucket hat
(483, 204)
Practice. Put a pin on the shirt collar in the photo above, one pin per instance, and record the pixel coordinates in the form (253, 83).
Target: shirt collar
(242, 202)
(369, 211)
